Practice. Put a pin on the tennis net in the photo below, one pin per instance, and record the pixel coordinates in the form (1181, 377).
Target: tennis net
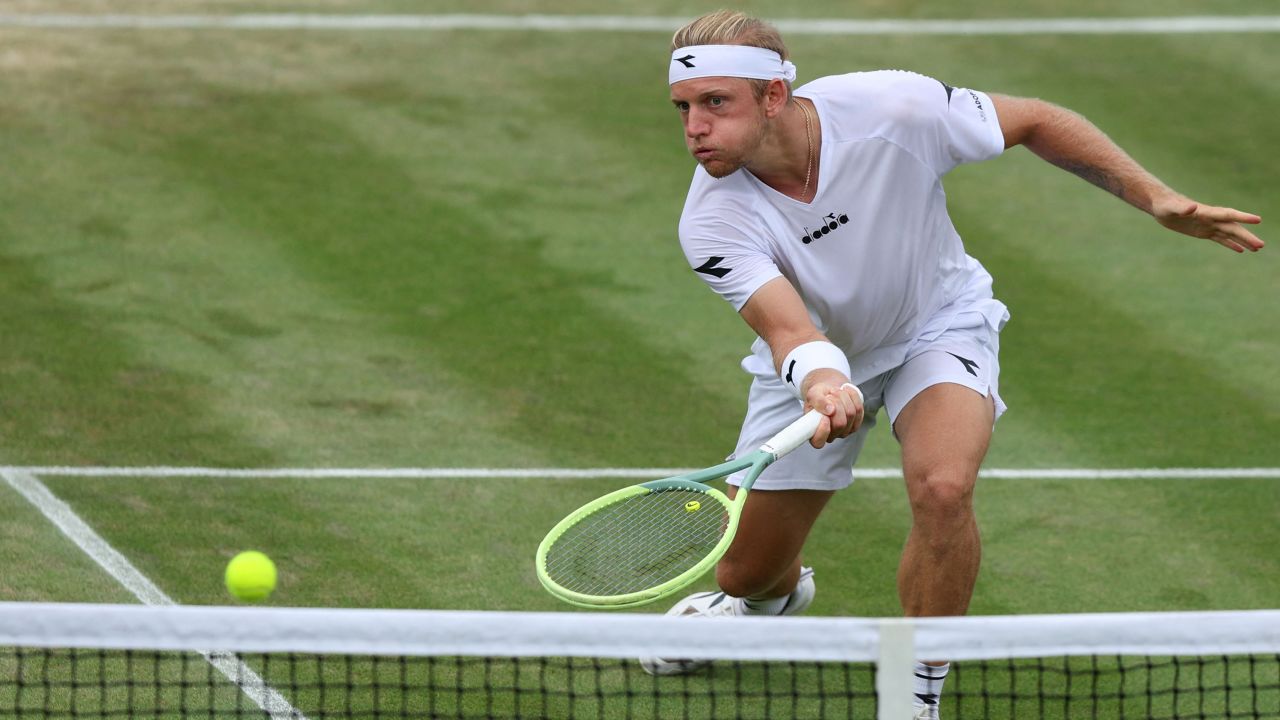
(125, 661)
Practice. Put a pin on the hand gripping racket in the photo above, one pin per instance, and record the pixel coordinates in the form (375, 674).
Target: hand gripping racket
(645, 542)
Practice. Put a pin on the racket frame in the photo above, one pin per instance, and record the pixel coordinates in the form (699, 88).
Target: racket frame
(694, 481)
(755, 463)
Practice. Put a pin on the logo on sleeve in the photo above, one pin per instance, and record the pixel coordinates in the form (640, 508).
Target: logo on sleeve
(709, 267)
(686, 60)
(829, 225)
(982, 114)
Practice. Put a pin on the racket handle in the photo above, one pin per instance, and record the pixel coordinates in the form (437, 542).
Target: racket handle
(793, 435)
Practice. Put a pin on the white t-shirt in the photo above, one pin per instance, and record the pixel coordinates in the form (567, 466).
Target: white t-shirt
(874, 256)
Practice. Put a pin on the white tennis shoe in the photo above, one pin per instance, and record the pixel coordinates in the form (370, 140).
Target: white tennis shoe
(718, 604)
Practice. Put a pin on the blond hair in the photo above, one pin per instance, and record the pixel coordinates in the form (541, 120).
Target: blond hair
(730, 27)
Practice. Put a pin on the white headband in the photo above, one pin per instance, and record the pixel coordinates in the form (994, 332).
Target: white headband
(744, 61)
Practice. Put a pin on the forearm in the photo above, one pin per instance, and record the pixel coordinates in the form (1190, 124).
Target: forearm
(779, 316)
(806, 361)
(1071, 142)
(1074, 144)
(781, 347)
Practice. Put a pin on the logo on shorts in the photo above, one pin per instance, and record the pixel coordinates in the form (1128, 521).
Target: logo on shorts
(968, 364)
(830, 223)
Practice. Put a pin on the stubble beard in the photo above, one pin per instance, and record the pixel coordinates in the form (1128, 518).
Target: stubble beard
(723, 167)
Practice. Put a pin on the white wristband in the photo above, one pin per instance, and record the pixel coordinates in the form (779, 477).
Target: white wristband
(808, 357)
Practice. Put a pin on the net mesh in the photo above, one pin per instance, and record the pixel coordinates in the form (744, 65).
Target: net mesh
(395, 664)
(1152, 688)
(129, 684)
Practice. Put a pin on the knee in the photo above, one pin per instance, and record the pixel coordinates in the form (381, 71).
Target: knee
(941, 496)
(743, 579)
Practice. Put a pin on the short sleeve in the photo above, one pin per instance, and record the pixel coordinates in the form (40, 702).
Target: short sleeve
(942, 125)
(970, 127)
(725, 257)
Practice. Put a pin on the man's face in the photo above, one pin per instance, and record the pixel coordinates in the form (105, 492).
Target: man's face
(724, 123)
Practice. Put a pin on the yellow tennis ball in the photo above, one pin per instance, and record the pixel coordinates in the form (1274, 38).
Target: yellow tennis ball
(251, 576)
(692, 506)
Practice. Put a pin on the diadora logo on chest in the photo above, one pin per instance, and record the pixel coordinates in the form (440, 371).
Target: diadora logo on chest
(830, 224)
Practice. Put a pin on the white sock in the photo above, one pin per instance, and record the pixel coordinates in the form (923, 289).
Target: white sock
(771, 606)
(929, 679)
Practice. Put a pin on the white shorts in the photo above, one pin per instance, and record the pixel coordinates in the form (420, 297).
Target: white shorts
(968, 356)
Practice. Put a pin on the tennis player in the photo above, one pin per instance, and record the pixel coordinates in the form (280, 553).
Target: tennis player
(820, 215)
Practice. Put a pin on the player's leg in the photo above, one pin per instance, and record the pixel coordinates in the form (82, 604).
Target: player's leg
(944, 431)
(943, 403)
(761, 573)
(764, 560)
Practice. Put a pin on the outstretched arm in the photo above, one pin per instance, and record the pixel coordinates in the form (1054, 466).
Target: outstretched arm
(1074, 144)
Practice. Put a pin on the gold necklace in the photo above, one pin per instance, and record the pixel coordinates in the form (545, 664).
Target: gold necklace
(808, 136)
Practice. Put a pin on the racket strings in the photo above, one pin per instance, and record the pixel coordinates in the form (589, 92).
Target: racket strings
(637, 543)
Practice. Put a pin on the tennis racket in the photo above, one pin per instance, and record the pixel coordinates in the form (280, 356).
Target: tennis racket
(645, 542)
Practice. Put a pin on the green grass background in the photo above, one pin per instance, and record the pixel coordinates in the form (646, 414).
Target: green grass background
(351, 249)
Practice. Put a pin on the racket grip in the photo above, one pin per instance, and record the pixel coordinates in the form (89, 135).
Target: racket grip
(793, 435)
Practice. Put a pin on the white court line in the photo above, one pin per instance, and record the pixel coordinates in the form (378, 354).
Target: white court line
(1262, 473)
(636, 23)
(119, 567)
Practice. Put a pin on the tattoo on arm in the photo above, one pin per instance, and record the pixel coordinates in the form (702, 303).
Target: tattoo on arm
(1095, 175)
